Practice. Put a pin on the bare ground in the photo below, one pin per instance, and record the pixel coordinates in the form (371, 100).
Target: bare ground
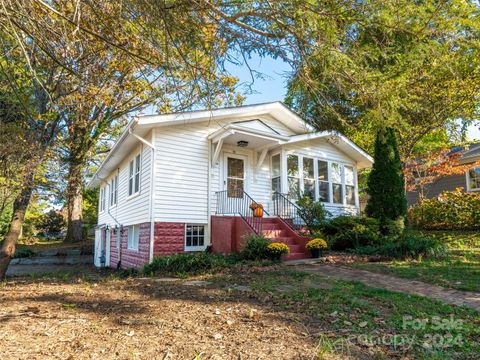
(141, 319)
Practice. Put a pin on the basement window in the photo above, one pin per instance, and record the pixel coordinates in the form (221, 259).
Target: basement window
(194, 237)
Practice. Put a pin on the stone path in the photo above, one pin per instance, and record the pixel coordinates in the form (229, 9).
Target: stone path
(388, 282)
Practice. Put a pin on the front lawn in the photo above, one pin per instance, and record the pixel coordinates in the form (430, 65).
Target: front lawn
(460, 270)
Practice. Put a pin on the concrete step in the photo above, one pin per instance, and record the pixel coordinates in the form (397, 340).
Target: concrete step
(295, 248)
(271, 226)
(54, 260)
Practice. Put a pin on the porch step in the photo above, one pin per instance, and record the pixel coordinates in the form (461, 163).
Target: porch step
(274, 233)
(270, 226)
(286, 240)
(296, 256)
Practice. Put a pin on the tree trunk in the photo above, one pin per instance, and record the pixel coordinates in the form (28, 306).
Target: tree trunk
(74, 204)
(19, 209)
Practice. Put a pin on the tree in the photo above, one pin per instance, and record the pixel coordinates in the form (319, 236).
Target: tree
(386, 185)
(423, 170)
(412, 66)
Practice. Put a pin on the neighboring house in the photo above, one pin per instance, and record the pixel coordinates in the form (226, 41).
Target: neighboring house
(181, 182)
(469, 181)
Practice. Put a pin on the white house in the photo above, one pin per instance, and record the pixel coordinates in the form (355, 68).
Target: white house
(180, 182)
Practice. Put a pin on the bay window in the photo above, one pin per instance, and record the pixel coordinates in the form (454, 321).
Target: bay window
(337, 190)
(293, 176)
(349, 185)
(276, 174)
(323, 181)
(308, 177)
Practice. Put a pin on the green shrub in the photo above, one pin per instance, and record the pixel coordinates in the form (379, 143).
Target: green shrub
(451, 210)
(407, 246)
(312, 212)
(255, 247)
(23, 252)
(348, 232)
(186, 264)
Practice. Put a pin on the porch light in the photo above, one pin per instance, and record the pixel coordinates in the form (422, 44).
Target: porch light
(242, 143)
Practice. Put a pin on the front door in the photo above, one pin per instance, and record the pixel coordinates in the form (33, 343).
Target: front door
(235, 175)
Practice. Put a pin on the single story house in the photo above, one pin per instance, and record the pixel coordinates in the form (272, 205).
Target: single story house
(187, 181)
(469, 181)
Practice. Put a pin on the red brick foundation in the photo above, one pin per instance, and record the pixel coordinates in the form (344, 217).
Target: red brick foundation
(169, 238)
(130, 258)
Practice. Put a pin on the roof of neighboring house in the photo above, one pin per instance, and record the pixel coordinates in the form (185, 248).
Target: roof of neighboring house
(139, 127)
(471, 153)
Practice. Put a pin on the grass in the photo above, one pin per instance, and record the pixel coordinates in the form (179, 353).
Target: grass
(459, 270)
(356, 314)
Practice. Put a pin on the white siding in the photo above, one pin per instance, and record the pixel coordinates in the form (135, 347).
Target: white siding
(136, 209)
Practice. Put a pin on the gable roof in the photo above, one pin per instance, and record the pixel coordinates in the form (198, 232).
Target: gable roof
(246, 117)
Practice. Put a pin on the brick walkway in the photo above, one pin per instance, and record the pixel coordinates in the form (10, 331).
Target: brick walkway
(388, 282)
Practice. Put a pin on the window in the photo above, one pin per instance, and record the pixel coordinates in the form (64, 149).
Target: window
(323, 183)
(114, 191)
(337, 183)
(117, 238)
(293, 176)
(474, 179)
(134, 176)
(308, 177)
(102, 199)
(133, 236)
(349, 185)
(194, 237)
(276, 184)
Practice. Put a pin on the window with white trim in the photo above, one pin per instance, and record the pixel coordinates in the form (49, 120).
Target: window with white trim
(276, 187)
(323, 181)
(474, 179)
(337, 189)
(102, 199)
(133, 237)
(308, 177)
(134, 176)
(293, 176)
(114, 191)
(117, 238)
(349, 185)
(194, 237)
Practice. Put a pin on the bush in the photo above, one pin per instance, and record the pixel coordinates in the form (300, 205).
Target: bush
(316, 244)
(23, 252)
(51, 223)
(275, 249)
(312, 212)
(186, 264)
(348, 232)
(408, 246)
(451, 210)
(255, 247)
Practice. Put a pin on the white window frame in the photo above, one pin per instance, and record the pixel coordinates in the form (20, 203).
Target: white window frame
(342, 164)
(118, 238)
(279, 154)
(133, 237)
(299, 176)
(199, 247)
(102, 200)
(114, 191)
(467, 175)
(134, 175)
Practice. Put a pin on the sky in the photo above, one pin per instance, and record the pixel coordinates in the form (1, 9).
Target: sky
(273, 86)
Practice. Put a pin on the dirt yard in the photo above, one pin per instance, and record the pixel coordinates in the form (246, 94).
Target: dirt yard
(269, 313)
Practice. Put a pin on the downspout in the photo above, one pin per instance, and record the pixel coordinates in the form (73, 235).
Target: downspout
(209, 193)
(152, 198)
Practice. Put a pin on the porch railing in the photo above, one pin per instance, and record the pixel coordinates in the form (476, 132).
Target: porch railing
(288, 211)
(238, 202)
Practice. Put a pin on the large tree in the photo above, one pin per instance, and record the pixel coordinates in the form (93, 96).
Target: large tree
(413, 66)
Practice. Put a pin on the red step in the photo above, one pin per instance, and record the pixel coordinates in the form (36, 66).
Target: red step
(296, 256)
(274, 233)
